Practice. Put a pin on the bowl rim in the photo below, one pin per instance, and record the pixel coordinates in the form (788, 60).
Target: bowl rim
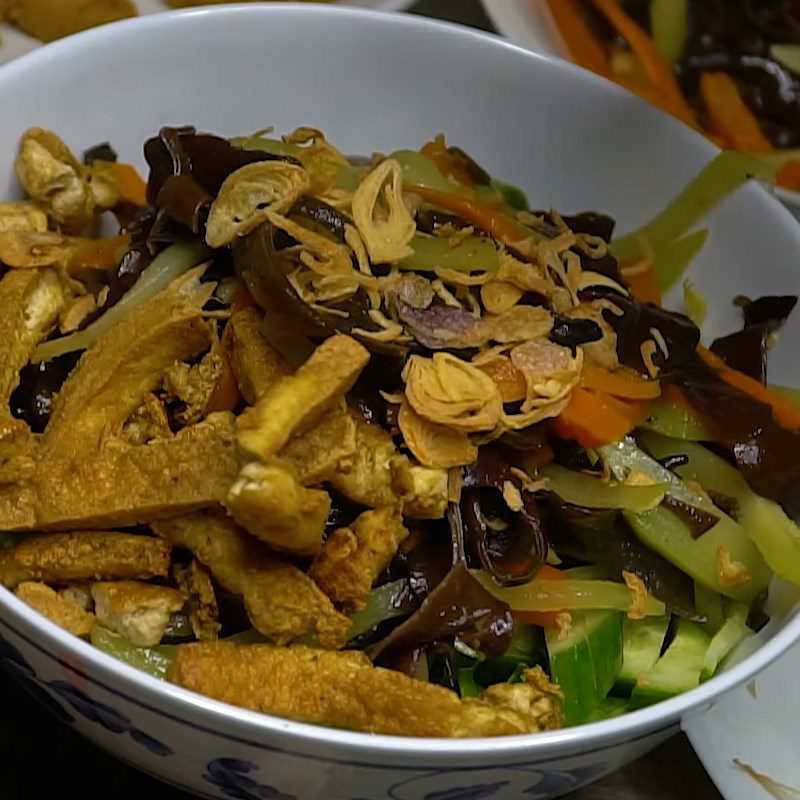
(636, 724)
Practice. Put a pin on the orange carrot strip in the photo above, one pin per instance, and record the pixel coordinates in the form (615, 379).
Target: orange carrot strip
(657, 68)
(503, 227)
(97, 253)
(644, 285)
(582, 46)
(594, 419)
(787, 414)
(729, 116)
(789, 175)
(448, 164)
(544, 619)
(621, 383)
(130, 184)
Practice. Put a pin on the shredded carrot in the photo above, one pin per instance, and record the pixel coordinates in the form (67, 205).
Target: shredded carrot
(130, 184)
(448, 164)
(789, 175)
(595, 419)
(729, 116)
(786, 414)
(658, 69)
(620, 383)
(644, 284)
(102, 254)
(503, 227)
(583, 48)
(544, 619)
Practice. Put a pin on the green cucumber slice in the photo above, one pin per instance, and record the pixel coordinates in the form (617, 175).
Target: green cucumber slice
(642, 641)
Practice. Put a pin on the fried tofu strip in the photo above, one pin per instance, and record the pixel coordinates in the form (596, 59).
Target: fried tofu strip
(282, 602)
(256, 364)
(269, 502)
(31, 301)
(321, 451)
(128, 485)
(194, 580)
(139, 611)
(84, 555)
(352, 558)
(113, 376)
(56, 608)
(344, 690)
(21, 215)
(426, 491)
(295, 403)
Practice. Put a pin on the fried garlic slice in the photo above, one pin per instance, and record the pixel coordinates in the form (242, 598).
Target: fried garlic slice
(30, 249)
(385, 224)
(249, 193)
(434, 445)
(319, 253)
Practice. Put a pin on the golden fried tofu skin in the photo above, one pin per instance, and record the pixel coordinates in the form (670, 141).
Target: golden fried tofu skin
(256, 364)
(22, 215)
(139, 611)
(324, 449)
(368, 477)
(297, 402)
(48, 20)
(56, 607)
(344, 690)
(424, 490)
(268, 501)
(127, 485)
(61, 558)
(194, 580)
(31, 302)
(282, 602)
(352, 558)
(113, 376)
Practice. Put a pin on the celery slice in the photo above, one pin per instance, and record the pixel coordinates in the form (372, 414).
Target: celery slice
(675, 420)
(709, 605)
(669, 25)
(673, 259)
(642, 640)
(733, 631)
(473, 254)
(154, 660)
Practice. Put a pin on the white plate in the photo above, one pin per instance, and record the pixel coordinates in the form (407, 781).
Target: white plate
(756, 725)
(14, 43)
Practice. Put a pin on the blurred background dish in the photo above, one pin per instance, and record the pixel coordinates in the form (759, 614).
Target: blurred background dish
(30, 23)
(729, 69)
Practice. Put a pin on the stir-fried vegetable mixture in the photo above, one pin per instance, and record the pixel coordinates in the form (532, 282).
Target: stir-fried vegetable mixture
(369, 443)
(728, 67)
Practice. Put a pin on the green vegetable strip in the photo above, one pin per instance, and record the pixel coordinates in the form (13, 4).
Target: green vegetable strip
(585, 661)
(774, 534)
(675, 420)
(669, 536)
(726, 173)
(696, 305)
(419, 170)
(167, 266)
(569, 595)
(669, 25)
(583, 490)
(673, 259)
(513, 195)
(733, 632)
(155, 661)
(709, 605)
(473, 254)
(382, 605)
(642, 640)
(677, 671)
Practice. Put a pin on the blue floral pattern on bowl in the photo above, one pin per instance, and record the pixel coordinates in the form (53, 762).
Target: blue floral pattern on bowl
(89, 708)
(232, 776)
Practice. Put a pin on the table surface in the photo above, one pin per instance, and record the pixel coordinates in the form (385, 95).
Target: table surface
(28, 732)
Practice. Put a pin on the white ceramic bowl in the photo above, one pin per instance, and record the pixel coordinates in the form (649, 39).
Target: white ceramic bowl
(372, 81)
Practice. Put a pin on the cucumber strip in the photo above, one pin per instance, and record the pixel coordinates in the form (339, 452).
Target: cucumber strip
(669, 536)
(725, 640)
(677, 671)
(765, 522)
(672, 419)
(709, 605)
(642, 641)
(586, 660)
(154, 660)
(608, 708)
